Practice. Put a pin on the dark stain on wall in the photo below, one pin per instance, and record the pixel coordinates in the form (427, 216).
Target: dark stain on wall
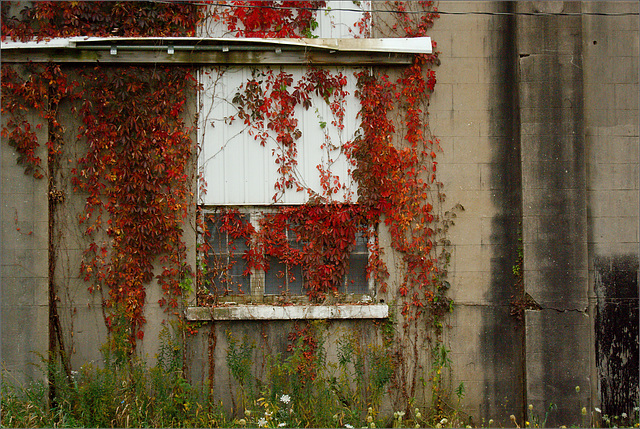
(616, 332)
(502, 339)
(555, 207)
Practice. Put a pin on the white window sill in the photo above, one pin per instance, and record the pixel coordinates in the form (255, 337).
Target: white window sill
(289, 312)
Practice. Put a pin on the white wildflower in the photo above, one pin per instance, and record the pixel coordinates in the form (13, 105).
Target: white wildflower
(438, 426)
(242, 422)
(372, 425)
(624, 415)
(281, 425)
(444, 421)
(598, 410)
(369, 419)
(490, 421)
(417, 426)
(285, 398)
(418, 415)
(348, 426)
(262, 422)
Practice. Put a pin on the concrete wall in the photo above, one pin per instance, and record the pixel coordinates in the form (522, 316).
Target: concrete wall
(554, 209)
(610, 52)
(24, 257)
(474, 112)
(538, 118)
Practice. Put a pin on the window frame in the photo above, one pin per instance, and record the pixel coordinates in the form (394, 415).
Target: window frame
(257, 277)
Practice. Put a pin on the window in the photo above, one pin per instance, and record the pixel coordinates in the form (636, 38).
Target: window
(277, 194)
(268, 255)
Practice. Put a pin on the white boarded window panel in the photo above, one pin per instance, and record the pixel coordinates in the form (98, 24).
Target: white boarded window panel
(239, 171)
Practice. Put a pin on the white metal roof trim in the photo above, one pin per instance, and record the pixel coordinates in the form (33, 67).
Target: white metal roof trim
(417, 45)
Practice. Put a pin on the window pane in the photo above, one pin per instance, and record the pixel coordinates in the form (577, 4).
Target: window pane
(357, 276)
(280, 278)
(225, 263)
(356, 279)
(238, 282)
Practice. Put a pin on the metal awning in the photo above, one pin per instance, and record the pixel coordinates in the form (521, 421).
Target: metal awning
(198, 50)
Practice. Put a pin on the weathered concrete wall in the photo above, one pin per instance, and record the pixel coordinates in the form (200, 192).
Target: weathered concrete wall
(524, 159)
(269, 340)
(24, 257)
(610, 52)
(474, 112)
(554, 209)
(81, 312)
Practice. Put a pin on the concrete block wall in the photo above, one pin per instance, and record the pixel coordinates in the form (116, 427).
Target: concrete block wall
(545, 94)
(474, 113)
(610, 52)
(81, 312)
(554, 209)
(24, 310)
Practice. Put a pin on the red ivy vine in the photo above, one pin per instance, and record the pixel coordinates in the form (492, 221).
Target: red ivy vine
(48, 19)
(267, 106)
(136, 172)
(270, 18)
(41, 92)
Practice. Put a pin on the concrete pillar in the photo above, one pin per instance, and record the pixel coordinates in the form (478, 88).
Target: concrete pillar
(558, 349)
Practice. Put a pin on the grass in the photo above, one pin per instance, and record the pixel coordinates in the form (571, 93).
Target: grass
(301, 389)
(135, 397)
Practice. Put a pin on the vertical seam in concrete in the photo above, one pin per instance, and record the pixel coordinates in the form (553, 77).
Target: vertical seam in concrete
(515, 102)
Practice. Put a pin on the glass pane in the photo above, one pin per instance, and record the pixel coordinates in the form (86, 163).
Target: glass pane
(280, 278)
(238, 282)
(357, 276)
(275, 278)
(224, 261)
(295, 280)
